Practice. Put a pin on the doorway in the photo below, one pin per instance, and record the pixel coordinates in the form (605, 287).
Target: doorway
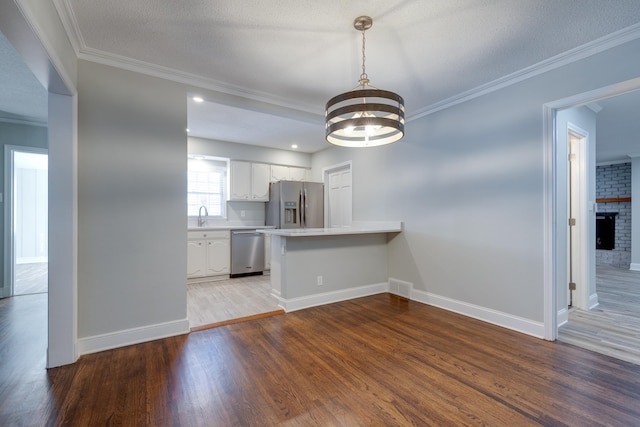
(26, 220)
(580, 288)
(557, 202)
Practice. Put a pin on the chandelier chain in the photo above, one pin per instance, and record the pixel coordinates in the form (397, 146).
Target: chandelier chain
(364, 78)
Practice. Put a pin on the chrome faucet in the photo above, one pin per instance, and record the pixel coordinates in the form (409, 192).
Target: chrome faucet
(202, 220)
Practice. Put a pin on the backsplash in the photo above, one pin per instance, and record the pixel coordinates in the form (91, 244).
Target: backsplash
(238, 214)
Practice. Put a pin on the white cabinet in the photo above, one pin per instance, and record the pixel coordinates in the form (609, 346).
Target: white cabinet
(196, 258)
(298, 174)
(240, 180)
(208, 253)
(260, 182)
(288, 173)
(249, 181)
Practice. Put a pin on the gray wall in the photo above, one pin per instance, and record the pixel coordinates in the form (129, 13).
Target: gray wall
(132, 157)
(468, 182)
(252, 153)
(20, 135)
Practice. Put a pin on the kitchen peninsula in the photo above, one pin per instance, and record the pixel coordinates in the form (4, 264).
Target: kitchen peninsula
(316, 266)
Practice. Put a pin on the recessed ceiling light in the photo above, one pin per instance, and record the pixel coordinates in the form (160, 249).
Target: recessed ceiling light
(198, 99)
(294, 145)
(187, 129)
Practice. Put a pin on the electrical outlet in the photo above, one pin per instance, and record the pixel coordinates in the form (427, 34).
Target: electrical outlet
(319, 280)
(243, 214)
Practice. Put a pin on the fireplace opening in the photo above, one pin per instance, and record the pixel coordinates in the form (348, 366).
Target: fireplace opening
(606, 230)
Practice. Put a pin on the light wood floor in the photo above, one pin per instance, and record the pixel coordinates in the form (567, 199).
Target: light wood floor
(613, 327)
(217, 302)
(374, 361)
(31, 278)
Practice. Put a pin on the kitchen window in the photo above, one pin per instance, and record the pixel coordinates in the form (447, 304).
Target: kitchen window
(207, 186)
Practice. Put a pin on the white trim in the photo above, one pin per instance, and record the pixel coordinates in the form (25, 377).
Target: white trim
(300, 303)
(495, 317)
(550, 202)
(584, 218)
(634, 266)
(9, 237)
(32, 260)
(326, 172)
(550, 225)
(563, 316)
(70, 24)
(131, 336)
(54, 59)
(25, 121)
(505, 320)
(594, 47)
(593, 301)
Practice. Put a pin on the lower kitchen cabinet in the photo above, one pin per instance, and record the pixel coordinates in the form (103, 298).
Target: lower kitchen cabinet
(208, 253)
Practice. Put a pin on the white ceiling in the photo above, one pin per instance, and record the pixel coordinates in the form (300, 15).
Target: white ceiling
(271, 66)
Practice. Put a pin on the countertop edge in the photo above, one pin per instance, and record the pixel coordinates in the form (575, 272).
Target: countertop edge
(229, 227)
(377, 228)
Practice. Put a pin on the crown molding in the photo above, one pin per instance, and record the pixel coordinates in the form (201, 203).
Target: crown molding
(589, 49)
(70, 24)
(23, 121)
(122, 62)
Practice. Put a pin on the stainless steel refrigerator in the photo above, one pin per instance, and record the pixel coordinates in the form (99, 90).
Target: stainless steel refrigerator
(295, 204)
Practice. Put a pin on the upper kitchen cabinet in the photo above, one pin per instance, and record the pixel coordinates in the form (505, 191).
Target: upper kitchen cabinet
(260, 181)
(287, 173)
(249, 181)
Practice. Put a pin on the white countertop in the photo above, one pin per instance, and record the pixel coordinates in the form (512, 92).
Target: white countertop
(356, 228)
(229, 227)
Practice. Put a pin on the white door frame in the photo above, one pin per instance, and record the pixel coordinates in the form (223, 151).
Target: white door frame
(581, 264)
(9, 235)
(551, 202)
(19, 25)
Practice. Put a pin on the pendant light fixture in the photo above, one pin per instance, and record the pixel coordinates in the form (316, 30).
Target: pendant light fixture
(365, 116)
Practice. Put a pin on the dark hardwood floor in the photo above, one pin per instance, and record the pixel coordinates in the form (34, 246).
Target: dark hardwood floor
(375, 361)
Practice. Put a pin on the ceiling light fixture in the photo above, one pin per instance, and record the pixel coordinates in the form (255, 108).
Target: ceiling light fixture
(198, 99)
(365, 116)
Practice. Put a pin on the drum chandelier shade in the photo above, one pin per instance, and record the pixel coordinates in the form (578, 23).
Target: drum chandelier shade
(365, 116)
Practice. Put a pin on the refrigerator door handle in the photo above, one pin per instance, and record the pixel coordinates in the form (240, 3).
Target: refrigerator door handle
(300, 208)
(305, 207)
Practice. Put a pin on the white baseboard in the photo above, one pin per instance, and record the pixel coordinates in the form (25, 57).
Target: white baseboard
(405, 289)
(505, 320)
(563, 316)
(300, 303)
(634, 266)
(593, 301)
(126, 337)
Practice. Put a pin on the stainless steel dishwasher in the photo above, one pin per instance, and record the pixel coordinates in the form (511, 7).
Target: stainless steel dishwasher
(247, 252)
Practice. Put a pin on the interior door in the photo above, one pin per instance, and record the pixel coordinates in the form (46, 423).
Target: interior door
(339, 199)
